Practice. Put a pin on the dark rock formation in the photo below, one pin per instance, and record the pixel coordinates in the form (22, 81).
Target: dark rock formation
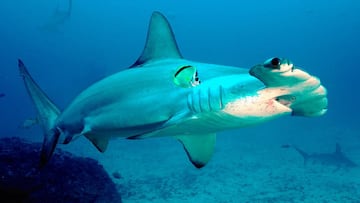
(66, 178)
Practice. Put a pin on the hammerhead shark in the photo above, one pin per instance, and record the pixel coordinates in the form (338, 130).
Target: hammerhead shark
(337, 158)
(61, 14)
(163, 94)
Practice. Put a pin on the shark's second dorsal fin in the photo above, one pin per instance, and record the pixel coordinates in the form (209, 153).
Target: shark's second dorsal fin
(160, 42)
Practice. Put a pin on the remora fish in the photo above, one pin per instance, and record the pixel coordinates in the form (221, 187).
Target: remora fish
(163, 94)
(336, 158)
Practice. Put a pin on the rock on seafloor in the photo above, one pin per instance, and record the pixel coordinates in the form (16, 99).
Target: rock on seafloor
(66, 178)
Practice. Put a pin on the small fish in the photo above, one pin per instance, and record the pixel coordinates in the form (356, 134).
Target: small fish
(28, 123)
(117, 175)
(285, 146)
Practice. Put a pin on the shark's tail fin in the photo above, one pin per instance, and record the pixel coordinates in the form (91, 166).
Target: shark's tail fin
(47, 114)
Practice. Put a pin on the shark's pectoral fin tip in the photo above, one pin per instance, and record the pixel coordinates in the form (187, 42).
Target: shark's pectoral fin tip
(198, 165)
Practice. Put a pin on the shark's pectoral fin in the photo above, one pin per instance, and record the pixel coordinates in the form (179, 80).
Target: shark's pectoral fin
(199, 148)
(100, 143)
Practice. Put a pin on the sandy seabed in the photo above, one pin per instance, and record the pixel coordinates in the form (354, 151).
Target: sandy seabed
(248, 165)
(157, 170)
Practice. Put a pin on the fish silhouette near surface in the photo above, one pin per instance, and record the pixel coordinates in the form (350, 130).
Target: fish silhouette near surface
(336, 159)
(164, 94)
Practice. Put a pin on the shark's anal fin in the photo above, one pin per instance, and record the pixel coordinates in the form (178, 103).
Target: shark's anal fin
(100, 143)
(199, 148)
(160, 42)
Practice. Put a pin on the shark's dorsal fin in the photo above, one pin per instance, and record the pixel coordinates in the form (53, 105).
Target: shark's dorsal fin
(199, 148)
(160, 42)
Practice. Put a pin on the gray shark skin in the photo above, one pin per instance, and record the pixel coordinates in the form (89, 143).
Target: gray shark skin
(337, 159)
(163, 94)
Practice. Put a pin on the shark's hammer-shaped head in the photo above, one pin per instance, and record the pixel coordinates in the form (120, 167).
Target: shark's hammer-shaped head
(291, 88)
(278, 88)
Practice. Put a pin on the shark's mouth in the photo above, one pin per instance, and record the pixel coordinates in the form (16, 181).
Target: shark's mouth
(302, 101)
(274, 101)
(286, 100)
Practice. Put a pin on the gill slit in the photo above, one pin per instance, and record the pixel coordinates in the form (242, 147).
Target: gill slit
(221, 97)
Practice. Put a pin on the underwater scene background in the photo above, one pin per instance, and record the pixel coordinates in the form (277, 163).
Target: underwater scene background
(68, 48)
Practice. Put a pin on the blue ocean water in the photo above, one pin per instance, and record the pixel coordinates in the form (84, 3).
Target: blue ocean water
(102, 37)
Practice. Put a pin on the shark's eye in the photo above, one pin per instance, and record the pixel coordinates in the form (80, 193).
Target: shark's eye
(275, 62)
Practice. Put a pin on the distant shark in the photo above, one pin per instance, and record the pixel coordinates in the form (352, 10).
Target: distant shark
(61, 14)
(163, 94)
(337, 158)
(2, 95)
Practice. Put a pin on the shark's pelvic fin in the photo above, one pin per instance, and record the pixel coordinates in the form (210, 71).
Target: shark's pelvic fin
(100, 143)
(47, 113)
(160, 42)
(199, 148)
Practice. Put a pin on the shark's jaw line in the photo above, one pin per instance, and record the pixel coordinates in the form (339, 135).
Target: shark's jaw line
(161, 95)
